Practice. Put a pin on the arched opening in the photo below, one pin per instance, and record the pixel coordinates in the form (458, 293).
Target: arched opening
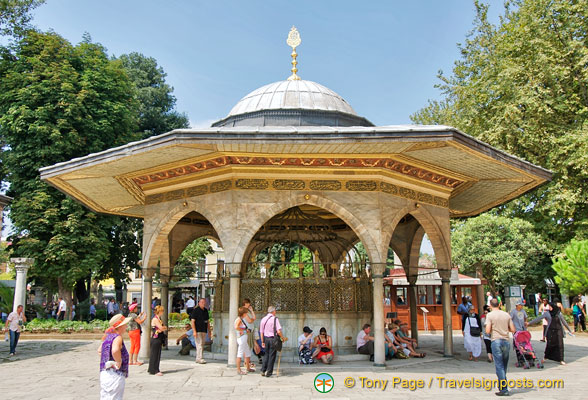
(311, 265)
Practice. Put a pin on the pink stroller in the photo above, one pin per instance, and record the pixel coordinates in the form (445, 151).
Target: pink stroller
(525, 351)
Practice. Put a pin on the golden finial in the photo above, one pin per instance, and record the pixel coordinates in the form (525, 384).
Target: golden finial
(294, 41)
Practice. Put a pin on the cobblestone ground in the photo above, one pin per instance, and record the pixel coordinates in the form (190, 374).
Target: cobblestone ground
(68, 369)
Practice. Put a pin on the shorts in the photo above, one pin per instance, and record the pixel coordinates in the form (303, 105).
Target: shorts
(243, 347)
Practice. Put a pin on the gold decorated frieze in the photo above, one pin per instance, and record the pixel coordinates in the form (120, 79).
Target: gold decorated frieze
(325, 185)
(220, 186)
(400, 167)
(252, 184)
(288, 184)
(361, 186)
(299, 185)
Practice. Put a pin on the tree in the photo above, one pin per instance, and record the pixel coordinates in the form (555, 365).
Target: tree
(507, 250)
(522, 86)
(187, 264)
(15, 15)
(57, 102)
(6, 299)
(157, 112)
(572, 268)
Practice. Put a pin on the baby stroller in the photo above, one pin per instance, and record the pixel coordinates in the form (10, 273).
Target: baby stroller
(524, 350)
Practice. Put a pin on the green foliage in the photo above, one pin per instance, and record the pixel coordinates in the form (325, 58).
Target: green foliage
(157, 112)
(15, 15)
(58, 102)
(507, 250)
(52, 325)
(522, 86)
(6, 299)
(572, 268)
(187, 264)
(175, 317)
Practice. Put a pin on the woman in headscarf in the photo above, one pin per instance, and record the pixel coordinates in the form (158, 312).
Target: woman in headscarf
(114, 360)
(472, 334)
(135, 333)
(554, 349)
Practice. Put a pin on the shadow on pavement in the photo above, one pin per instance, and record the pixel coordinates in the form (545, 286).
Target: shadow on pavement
(28, 349)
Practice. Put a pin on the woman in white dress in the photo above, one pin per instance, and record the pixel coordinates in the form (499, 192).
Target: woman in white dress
(472, 334)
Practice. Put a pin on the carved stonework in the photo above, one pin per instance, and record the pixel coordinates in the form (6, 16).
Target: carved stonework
(259, 184)
(325, 185)
(220, 186)
(298, 184)
(154, 198)
(174, 195)
(288, 184)
(364, 186)
(388, 188)
(197, 190)
(408, 193)
(425, 198)
(441, 202)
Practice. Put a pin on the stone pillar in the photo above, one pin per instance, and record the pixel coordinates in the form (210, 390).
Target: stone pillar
(235, 283)
(165, 303)
(446, 301)
(146, 299)
(378, 296)
(21, 265)
(412, 303)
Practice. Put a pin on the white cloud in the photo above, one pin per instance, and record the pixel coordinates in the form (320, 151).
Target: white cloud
(205, 123)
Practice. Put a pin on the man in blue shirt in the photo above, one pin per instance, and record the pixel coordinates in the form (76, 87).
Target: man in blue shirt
(464, 307)
(188, 341)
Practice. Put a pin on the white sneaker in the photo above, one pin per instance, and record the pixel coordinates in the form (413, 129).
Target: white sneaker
(11, 354)
(202, 361)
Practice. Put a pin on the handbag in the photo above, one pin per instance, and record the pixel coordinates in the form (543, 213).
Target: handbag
(474, 330)
(277, 342)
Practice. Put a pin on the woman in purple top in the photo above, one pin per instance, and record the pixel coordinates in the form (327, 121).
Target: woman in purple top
(114, 360)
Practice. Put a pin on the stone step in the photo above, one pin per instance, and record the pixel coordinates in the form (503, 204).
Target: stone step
(289, 356)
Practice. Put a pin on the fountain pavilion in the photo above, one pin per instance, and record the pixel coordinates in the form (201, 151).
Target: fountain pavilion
(293, 166)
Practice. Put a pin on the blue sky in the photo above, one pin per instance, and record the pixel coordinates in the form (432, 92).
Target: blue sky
(381, 56)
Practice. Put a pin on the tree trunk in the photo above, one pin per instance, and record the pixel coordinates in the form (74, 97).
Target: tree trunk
(81, 290)
(66, 294)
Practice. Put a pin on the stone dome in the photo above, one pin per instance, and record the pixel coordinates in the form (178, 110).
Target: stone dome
(293, 103)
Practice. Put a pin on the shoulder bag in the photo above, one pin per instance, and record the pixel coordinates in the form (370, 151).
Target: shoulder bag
(277, 343)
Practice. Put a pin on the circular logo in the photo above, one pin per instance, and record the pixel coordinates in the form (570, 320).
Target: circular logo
(324, 383)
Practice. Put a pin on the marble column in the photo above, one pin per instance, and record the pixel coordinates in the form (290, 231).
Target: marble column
(378, 328)
(446, 301)
(146, 299)
(21, 265)
(412, 303)
(165, 303)
(235, 283)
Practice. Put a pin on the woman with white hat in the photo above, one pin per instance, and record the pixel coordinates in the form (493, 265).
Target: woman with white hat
(114, 360)
(135, 333)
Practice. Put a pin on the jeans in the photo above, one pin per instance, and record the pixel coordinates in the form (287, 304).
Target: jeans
(500, 353)
(14, 335)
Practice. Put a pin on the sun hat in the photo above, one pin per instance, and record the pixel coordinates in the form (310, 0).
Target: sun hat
(118, 320)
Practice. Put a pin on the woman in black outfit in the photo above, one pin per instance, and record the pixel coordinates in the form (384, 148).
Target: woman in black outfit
(554, 349)
(158, 337)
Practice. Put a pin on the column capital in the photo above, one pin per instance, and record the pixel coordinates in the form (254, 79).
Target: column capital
(148, 273)
(378, 270)
(445, 275)
(235, 270)
(22, 264)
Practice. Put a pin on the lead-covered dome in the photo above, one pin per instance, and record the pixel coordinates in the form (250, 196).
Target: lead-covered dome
(293, 103)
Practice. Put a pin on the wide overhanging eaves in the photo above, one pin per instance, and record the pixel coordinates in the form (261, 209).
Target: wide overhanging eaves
(436, 148)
